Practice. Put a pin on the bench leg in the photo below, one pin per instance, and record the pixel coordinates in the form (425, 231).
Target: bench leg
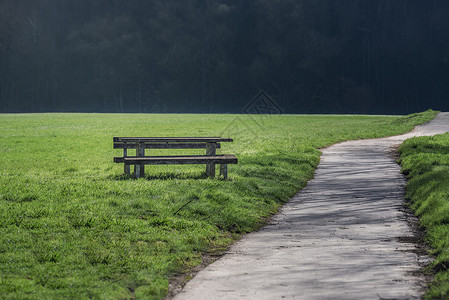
(210, 170)
(142, 171)
(210, 150)
(139, 170)
(224, 170)
(126, 168)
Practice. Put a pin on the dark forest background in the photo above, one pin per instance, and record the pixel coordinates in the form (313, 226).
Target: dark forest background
(315, 56)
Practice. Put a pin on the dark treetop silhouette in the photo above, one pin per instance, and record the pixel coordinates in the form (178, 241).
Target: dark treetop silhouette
(313, 56)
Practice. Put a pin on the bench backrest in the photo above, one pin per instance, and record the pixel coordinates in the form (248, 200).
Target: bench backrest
(119, 145)
(171, 139)
(168, 142)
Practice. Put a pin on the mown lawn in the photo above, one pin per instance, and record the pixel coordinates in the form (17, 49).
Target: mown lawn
(425, 161)
(72, 226)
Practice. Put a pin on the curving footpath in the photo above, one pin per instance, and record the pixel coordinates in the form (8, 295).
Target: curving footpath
(344, 236)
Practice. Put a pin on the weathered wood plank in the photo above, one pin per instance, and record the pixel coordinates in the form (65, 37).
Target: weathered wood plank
(171, 139)
(178, 160)
(120, 145)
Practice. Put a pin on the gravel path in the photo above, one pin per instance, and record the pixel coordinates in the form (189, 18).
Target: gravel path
(344, 236)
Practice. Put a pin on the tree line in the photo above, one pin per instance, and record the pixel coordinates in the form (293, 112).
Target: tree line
(310, 56)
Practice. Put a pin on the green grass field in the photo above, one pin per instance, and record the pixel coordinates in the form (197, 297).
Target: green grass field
(72, 226)
(425, 161)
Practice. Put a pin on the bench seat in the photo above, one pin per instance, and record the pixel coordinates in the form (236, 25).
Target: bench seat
(178, 160)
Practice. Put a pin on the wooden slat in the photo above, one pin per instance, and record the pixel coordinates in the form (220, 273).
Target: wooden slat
(120, 145)
(171, 139)
(178, 160)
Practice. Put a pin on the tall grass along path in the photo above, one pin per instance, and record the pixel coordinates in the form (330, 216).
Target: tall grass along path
(425, 162)
(344, 236)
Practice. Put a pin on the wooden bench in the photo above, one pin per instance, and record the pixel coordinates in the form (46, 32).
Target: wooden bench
(141, 143)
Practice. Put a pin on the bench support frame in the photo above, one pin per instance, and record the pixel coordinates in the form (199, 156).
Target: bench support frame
(211, 151)
(224, 170)
(139, 170)
(127, 167)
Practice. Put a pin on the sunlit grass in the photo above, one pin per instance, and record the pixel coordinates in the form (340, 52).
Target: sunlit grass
(425, 160)
(72, 226)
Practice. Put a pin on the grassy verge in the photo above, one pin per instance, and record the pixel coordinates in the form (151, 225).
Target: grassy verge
(425, 161)
(72, 226)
